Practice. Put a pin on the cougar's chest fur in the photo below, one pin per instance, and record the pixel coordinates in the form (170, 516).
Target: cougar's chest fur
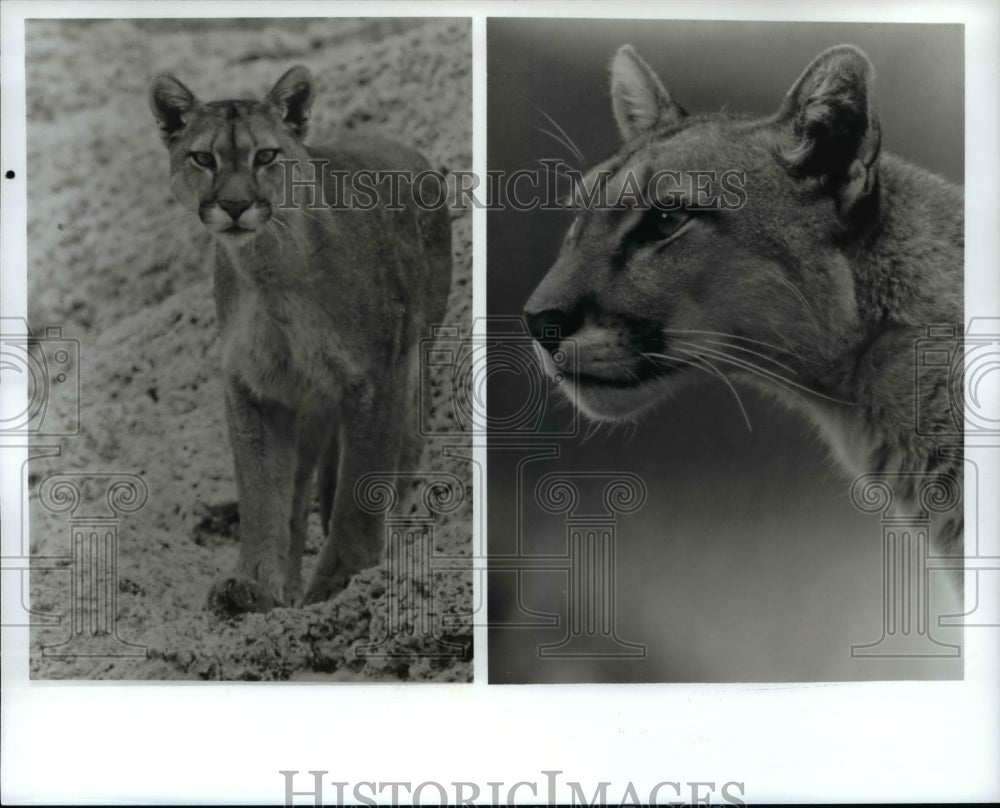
(291, 339)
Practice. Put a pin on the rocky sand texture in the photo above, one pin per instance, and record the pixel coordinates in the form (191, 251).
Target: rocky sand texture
(115, 262)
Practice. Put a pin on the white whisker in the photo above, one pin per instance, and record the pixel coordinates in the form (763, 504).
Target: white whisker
(704, 364)
(565, 140)
(772, 376)
(800, 298)
(744, 349)
(786, 350)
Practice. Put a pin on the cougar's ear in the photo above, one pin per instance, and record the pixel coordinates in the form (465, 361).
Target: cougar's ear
(170, 101)
(639, 99)
(292, 96)
(829, 126)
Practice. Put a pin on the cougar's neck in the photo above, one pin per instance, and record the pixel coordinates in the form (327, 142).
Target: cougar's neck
(908, 284)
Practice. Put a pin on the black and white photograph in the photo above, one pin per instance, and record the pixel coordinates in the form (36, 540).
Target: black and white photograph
(256, 479)
(425, 402)
(729, 256)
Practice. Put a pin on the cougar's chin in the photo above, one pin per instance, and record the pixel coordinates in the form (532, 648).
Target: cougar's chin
(614, 399)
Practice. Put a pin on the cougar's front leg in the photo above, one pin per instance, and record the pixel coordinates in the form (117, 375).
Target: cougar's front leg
(369, 442)
(264, 442)
(316, 441)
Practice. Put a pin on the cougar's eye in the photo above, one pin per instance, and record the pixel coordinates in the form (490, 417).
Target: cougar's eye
(265, 157)
(661, 225)
(203, 159)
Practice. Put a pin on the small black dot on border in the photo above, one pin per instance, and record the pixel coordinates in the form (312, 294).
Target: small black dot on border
(9, 175)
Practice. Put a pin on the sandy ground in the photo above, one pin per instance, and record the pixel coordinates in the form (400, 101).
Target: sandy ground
(111, 263)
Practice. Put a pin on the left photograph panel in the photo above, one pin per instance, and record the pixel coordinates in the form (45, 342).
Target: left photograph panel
(245, 270)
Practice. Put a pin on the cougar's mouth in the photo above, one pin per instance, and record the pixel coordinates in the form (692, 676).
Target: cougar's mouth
(606, 385)
(235, 233)
(644, 371)
(614, 382)
(611, 397)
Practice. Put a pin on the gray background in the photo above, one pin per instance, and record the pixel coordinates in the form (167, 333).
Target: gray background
(748, 561)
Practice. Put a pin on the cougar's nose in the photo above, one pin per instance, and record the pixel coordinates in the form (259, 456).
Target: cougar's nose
(234, 209)
(551, 326)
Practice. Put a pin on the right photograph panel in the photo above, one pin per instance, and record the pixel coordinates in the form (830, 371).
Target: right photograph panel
(725, 351)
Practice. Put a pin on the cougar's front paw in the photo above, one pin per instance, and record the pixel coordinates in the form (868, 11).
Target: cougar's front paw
(236, 595)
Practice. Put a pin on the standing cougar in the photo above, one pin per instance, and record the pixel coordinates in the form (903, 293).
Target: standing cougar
(790, 251)
(321, 312)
